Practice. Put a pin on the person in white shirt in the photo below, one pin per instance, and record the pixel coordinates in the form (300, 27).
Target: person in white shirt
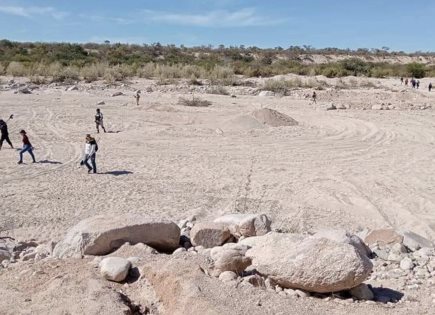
(91, 148)
(99, 121)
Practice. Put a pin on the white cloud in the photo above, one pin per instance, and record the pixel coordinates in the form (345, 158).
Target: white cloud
(33, 11)
(217, 18)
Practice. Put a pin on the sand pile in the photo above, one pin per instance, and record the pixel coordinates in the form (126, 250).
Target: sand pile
(259, 119)
(273, 118)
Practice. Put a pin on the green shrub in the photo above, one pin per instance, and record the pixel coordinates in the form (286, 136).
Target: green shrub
(416, 70)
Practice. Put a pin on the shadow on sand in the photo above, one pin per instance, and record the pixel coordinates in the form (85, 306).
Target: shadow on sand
(117, 173)
(49, 162)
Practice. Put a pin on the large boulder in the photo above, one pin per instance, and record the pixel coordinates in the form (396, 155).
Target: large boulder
(311, 264)
(383, 237)
(209, 234)
(230, 257)
(247, 225)
(102, 234)
(115, 268)
(342, 236)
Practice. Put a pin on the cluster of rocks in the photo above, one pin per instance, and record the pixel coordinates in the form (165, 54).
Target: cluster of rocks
(405, 257)
(242, 250)
(19, 88)
(12, 251)
(332, 106)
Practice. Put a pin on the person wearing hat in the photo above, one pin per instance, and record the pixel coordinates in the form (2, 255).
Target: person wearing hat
(99, 121)
(4, 134)
(27, 147)
(91, 148)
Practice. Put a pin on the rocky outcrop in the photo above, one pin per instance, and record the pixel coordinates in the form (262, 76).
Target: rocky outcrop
(103, 234)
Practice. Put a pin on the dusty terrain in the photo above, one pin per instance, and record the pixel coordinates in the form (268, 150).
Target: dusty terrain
(354, 168)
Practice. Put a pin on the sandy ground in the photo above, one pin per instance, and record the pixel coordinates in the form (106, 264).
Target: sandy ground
(349, 168)
(354, 169)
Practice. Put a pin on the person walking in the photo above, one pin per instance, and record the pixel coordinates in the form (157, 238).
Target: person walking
(4, 134)
(27, 147)
(314, 97)
(418, 84)
(137, 97)
(401, 81)
(406, 81)
(91, 148)
(99, 121)
(430, 86)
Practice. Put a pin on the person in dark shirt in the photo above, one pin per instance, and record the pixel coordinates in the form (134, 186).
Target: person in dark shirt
(4, 134)
(99, 120)
(430, 87)
(27, 147)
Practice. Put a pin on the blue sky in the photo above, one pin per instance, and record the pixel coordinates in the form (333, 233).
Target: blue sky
(398, 24)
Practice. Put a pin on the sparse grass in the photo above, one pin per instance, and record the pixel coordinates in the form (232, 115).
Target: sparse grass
(218, 90)
(194, 102)
(285, 86)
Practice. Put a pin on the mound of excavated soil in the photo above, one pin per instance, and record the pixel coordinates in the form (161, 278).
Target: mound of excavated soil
(273, 118)
(243, 122)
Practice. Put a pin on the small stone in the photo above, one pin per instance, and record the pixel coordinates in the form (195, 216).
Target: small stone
(115, 268)
(406, 263)
(101, 103)
(117, 94)
(227, 276)
(302, 294)
(256, 281)
(179, 251)
(362, 292)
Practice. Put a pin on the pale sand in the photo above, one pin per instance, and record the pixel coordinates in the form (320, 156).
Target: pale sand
(350, 168)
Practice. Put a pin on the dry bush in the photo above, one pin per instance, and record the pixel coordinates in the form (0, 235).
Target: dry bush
(35, 79)
(194, 81)
(93, 72)
(194, 102)
(16, 69)
(2, 69)
(219, 90)
(67, 74)
(166, 82)
(147, 71)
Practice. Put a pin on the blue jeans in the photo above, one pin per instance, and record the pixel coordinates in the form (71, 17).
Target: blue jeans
(27, 148)
(92, 158)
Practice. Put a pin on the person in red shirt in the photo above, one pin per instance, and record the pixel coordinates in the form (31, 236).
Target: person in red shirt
(27, 147)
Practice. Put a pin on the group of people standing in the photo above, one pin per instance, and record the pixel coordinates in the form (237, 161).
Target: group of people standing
(90, 151)
(414, 83)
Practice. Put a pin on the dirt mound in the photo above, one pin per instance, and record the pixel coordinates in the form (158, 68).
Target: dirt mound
(243, 122)
(273, 118)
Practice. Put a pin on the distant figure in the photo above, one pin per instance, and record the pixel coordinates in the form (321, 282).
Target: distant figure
(413, 83)
(406, 81)
(430, 87)
(417, 84)
(99, 120)
(137, 97)
(27, 147)
(401, 80)
(4, 134)
(91, 148)
(314, 97)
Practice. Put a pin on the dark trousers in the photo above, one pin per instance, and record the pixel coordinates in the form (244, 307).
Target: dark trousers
(3, 138)
(94, 165)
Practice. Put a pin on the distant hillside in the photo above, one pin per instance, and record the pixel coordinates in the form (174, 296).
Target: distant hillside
(116, 61)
